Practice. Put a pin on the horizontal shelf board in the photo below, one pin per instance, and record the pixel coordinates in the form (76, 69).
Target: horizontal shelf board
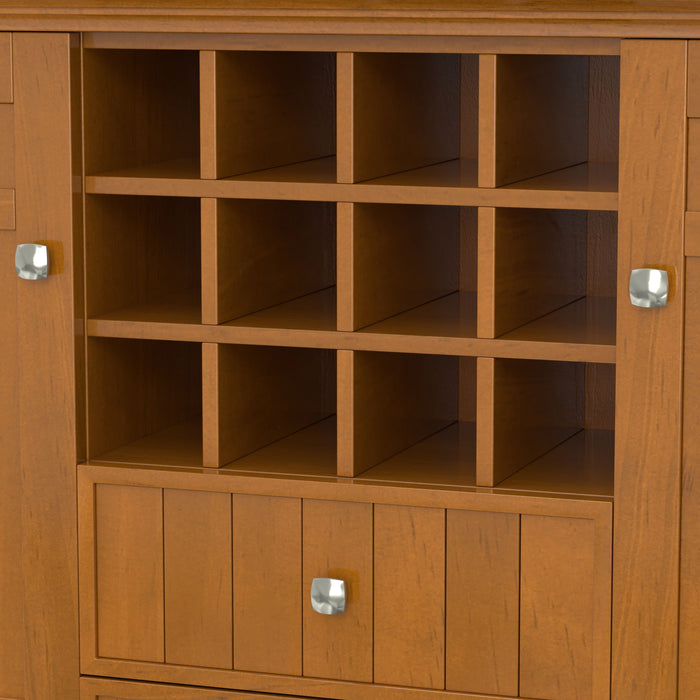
(187, 310)
(312, 312)
(338, 340)
(588, 321)
(447, 458)
(586, 186)
(318, 170)
(308, 452)
(177, 445)
(453, 315)
(582, 465)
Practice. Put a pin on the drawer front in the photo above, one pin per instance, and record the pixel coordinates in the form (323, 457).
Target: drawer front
(214, 589)
(108, 689)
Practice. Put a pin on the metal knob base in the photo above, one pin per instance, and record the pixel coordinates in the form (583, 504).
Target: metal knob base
(328, 596)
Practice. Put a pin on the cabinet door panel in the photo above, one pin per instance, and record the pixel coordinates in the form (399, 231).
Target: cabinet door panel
(557, 608)
(267, 584)
(338, 544)
(129, 546)
(198, 601)
(483, 585)
(5, 67)
(409, 596)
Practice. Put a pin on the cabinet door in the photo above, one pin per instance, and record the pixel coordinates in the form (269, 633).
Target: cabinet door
(38, 553)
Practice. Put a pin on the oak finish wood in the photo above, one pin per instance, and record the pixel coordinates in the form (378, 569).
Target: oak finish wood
(409, 596)
(558, 609)
(482, 602)
(129, 573)
(7, 146)
(650, 345)
(525, 409)
(45, 113)
(403, 257)
(406, 112)
(337, 543)
(267, 628)
(198, 578)
(688, 671)
(12, 647)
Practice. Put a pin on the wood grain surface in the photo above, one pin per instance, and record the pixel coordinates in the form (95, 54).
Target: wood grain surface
(198, 578)
(409, 596)
(129, 573)
(267, 626)
(337, 543)
(45, 112)
(649, 355)
(482, 601)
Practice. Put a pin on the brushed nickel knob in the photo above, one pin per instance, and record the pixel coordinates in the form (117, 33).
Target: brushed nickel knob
(649, 287)
(328, 596)
(32, 261)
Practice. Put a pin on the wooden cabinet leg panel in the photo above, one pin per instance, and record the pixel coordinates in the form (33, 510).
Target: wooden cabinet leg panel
(483, 584)
(267, 584)
(198, 601)
(557, 609)
(43, 88)
(129, 544)
(648, 415)
(338, 544)
(409, 596)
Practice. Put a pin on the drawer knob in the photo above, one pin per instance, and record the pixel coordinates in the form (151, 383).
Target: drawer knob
(649, 287)
(328, 596)
(32, 261)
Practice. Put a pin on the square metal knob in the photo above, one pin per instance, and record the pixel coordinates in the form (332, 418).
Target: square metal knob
(328, 596)
(649, 287)
(32, 261)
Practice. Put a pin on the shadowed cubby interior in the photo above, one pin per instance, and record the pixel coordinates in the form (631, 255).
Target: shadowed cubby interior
(408, 418)
(145, 402)
(547, 275)
(268, 109)
(414, 269)
(545, 113)
(270, 263)
(141, 112)
(410, 111)
(143, 258)
(270, 409)
(546, 426)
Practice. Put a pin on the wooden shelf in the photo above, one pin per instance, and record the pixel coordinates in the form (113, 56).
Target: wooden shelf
(312, 312)
(182, 309)
(308, 452)
(582, 465)
(177, 445)
(447, 458)
(589, 321)
(453, 316)
(590, 186)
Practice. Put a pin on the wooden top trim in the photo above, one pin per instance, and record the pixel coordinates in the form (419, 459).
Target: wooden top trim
(364, 17)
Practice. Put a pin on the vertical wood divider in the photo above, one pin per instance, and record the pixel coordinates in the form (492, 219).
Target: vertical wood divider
(211, 429)
(210, 261)
(207, 115)
(486, 275)
(345, 106)
(345, 272)
(346, 412)
(487, 120)
(485, 398)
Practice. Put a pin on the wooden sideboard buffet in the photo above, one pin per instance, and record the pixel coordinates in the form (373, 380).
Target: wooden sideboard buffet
(341, 290)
